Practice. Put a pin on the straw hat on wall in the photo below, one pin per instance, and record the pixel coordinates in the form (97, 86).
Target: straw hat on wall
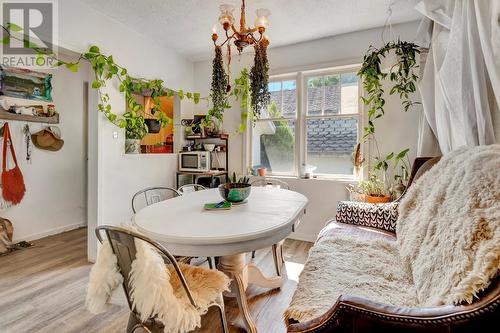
(48, 139)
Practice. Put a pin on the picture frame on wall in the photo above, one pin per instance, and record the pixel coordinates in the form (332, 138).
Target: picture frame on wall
(26, 84)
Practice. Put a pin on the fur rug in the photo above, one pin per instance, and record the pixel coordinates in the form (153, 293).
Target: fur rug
(155, 289)
(448, 246)
(449, 227)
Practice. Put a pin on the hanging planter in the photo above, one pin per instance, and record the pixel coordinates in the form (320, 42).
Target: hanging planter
(259, 80)
(153, 125)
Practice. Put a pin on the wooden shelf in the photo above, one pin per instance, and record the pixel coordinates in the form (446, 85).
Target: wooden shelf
(34, 119)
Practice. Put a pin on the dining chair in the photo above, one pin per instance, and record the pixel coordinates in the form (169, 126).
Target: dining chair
(189, 188)
(152, 195)
(122, 242)
(277, 249)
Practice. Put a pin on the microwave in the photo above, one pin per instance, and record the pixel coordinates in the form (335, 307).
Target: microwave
(194, 161)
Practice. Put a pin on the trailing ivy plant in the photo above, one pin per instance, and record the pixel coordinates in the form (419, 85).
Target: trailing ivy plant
(241, 92)
(259, 79)
(106, 69)
(403, 78)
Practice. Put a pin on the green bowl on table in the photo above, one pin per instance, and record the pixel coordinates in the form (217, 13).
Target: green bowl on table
(235, 192)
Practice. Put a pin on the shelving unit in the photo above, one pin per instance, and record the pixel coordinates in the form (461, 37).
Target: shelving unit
(212, 173)
(34, 119)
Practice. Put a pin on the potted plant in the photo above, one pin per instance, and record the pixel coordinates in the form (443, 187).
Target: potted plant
(237, 190)
(373, 189)
(135, 130)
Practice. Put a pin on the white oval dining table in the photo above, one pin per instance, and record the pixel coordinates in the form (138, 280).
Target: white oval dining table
(267, 217)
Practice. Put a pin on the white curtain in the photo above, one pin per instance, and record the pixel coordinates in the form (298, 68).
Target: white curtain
(460, 86)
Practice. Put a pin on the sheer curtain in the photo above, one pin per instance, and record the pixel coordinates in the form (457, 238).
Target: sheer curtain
(460, 85)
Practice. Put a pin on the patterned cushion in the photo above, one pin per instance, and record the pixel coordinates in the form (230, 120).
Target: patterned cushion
(381, 216)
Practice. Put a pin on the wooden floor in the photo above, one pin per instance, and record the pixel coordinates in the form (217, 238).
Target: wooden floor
(42, 289)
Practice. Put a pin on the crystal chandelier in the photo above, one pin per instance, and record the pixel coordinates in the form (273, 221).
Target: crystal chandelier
(244, 36)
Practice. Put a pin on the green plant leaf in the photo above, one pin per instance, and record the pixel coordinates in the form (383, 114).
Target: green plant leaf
(6, 40)
(196, 98)
(73, 66)
(94, 49)
(13, 27)
(96, 84)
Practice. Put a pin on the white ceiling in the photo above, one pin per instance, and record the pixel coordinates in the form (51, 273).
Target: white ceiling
(185, 25)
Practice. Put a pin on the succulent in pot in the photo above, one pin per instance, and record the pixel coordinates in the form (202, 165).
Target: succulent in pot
(237, 190)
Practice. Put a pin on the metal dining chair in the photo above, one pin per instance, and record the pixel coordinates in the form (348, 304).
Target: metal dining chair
(189, 188)
(152, 195)
(122, 243)
(277, 249)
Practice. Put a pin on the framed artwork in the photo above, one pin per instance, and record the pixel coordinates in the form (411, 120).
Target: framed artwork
(25, 83)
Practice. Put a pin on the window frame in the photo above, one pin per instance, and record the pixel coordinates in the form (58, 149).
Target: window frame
(301, 117)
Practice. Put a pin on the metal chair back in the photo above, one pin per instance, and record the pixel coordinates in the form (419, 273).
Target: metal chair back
(122, 242)
(270, 182)
(189, 188)
(152, 195)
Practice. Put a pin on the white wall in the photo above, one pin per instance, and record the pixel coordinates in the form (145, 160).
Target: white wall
(120, 176)
(55, 181)
(396, 131)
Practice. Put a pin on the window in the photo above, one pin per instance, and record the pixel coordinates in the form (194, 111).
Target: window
(273, 135)
(313, 120)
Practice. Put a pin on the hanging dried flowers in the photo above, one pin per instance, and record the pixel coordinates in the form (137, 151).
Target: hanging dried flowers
(259, 79)
(218, 93)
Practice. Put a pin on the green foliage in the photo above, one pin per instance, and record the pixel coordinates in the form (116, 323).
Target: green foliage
(218, 92)
(373, 186)
(135, 126)
(236, 180)
(106, 69)
(283, 137)
(259, 80)
(403, 78)
(401, 74)
(326, 81)
(241, 92)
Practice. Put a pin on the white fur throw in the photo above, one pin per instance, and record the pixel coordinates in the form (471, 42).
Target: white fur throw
(447, 248)
(449, 227)
(104, 278)
(153, 293)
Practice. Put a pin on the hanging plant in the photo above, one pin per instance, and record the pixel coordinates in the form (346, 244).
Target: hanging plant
(259, 80)
(403, 78)
(241, 92)
(105, 69)
(218, 92)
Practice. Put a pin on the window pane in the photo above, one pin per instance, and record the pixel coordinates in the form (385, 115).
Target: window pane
(275, 90)
(349, 93)
(289, 98)
(273, 145)
(332, 94)
(314, 95)
(330, 143)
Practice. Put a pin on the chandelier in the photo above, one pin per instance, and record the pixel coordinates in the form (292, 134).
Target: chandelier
(244, 36)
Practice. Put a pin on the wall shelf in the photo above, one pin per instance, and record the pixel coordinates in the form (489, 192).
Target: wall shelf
(34, 119)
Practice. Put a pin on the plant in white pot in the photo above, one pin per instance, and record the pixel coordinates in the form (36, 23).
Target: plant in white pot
(135, 130)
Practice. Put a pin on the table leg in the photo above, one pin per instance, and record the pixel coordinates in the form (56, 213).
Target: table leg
(242, 274)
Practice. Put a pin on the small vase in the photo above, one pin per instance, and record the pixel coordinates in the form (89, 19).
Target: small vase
(132, 146)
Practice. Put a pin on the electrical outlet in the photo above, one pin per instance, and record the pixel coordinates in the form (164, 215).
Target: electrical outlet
(115, 134)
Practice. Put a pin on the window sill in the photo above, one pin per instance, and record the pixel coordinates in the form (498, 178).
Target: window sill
(334, 178)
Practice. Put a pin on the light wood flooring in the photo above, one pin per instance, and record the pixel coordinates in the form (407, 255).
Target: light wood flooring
(42, 289)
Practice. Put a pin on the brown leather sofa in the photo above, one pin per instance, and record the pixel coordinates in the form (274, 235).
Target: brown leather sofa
(355, 314)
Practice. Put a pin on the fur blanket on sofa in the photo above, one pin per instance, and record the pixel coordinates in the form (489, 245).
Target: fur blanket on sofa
(449, 227)
(447, 248)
